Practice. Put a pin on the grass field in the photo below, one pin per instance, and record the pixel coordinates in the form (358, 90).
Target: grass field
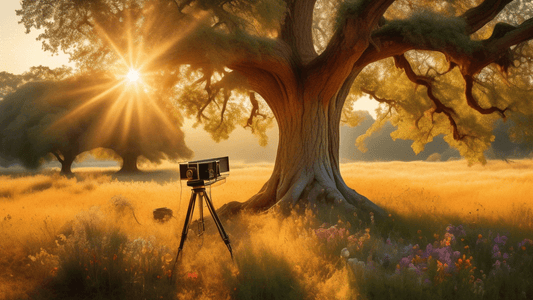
(93, 236)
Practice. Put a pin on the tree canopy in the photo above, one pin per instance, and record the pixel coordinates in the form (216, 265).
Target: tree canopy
(438, 67)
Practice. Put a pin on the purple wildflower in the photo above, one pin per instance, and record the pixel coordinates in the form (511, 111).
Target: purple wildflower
(404, 262)
(429, 251)
(524, 243)
(500, 239)
(496, 251)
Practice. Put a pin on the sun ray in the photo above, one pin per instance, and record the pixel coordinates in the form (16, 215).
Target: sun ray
(115, 48)
(162, 49)
(82, 109)
(110, 120)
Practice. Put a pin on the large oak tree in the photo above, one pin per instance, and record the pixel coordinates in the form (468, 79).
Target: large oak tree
(438, 67)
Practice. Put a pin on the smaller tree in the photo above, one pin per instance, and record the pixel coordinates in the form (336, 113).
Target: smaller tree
(513, 139)
(25, 117)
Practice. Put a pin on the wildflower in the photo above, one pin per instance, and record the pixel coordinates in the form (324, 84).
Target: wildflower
(404, 262)
(500, 239)
(496, 251)
(457, 231)
(479, 236)
(345, 253)
(525, 242)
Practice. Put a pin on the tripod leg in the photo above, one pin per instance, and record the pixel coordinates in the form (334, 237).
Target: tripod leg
(221, 230)
(188, 217)
(201, 224)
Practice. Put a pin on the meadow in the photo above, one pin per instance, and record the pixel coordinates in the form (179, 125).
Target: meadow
(457, 232)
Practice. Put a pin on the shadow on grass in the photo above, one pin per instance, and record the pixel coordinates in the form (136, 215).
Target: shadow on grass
(264, 275)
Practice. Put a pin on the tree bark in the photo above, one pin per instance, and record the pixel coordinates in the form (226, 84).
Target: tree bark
(129, 163)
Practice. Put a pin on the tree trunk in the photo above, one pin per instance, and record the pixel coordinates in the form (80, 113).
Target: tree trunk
(66, 164)
(307, 170)
(66, 158)
(129, 163)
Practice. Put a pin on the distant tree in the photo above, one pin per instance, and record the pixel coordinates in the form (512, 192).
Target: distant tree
(438, 67)
(65, 118)
(512, 140)
(434, 157)
(25, 118)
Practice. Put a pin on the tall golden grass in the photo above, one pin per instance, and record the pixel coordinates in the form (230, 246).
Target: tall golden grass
(36, 207)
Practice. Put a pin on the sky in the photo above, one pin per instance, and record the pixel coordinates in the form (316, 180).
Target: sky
(20, 51)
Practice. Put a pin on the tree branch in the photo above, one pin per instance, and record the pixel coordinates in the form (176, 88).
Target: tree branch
(328, 72)
(378, 99)
(471, 100)
(403, 63)
(254, 112)
(58, 156)
(480, 15)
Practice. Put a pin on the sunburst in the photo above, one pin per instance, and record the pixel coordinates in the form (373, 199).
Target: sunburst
(131, 92)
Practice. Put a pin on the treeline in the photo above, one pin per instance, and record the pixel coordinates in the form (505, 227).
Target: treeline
(508, 144)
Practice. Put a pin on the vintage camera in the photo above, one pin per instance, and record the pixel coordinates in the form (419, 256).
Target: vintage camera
(207, 169)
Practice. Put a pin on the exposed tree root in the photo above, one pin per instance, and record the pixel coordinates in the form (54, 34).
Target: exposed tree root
(329, 202)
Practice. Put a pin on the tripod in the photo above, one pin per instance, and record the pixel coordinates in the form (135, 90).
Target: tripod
(198, 192)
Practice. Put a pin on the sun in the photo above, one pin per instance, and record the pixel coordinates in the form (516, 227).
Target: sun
(133, 75)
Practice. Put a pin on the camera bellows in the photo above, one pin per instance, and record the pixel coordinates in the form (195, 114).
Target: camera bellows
(162, 214)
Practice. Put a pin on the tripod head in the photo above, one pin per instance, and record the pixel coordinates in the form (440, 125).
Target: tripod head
(201, 182)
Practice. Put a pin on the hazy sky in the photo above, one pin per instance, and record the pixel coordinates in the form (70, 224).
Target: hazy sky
(20, 51)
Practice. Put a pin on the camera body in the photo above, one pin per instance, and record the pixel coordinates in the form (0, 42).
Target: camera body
(207, 169)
